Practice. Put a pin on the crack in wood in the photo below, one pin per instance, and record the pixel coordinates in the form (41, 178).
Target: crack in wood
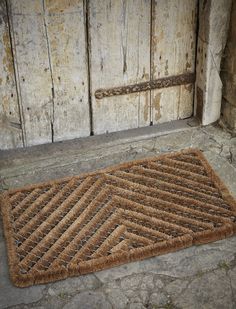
(88, 56)
(50, 69)
(170, 81)
(9, 23)
(16, 125)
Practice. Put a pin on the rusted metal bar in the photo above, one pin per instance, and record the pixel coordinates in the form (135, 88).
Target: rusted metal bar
(170, 81)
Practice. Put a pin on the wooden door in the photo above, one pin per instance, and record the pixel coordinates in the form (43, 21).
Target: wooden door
(56, 55)
(136, 41)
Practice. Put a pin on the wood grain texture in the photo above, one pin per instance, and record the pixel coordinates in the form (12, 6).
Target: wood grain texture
(172, 53)
(67, 46)
(32, 62)
(120, 55)
(64, 50)
(10, 124)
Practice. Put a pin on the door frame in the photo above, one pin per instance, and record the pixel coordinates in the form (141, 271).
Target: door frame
(213, 24)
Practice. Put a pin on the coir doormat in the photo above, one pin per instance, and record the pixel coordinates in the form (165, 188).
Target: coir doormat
(125, 213)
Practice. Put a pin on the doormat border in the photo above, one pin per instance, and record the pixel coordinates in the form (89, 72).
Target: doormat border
(172, 245)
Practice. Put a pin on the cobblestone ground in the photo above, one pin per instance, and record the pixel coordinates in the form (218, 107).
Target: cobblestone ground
(198, 277)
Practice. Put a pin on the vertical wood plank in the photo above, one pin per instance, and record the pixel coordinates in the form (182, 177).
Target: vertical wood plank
(173, 53)
(10, 125)
(120, 55)
(66, 38)
(32, 62)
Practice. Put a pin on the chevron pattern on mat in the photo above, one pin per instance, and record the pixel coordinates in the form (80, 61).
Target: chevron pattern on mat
(124, 213)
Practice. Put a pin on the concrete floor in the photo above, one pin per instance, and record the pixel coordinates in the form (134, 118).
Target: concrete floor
(198, 277)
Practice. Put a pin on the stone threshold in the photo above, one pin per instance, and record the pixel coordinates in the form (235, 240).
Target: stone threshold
(96, 142)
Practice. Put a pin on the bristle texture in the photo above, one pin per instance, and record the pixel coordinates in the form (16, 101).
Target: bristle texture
(125, 213)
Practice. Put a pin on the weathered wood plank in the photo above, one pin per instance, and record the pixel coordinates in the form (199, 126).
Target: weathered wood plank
(10, 124)
(66, 37)
(120, 55)
(32, 62)
(173, 53)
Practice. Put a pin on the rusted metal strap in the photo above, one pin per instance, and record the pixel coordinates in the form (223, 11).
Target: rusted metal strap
(165, 82)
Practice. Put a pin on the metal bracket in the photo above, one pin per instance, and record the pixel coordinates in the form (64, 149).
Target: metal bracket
(170, 81)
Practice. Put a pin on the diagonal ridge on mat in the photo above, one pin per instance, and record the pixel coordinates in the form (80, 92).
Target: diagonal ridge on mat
(124, 213)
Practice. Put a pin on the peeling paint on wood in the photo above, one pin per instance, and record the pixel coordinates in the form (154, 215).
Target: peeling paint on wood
(157, 106)
(67, 48)
(10, 134)
(31, 57)
(7, 59)
(146, 109)
(167, 107)
(120, 55)
(63, 6)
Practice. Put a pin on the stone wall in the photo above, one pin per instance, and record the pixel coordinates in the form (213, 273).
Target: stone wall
(228, 75)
